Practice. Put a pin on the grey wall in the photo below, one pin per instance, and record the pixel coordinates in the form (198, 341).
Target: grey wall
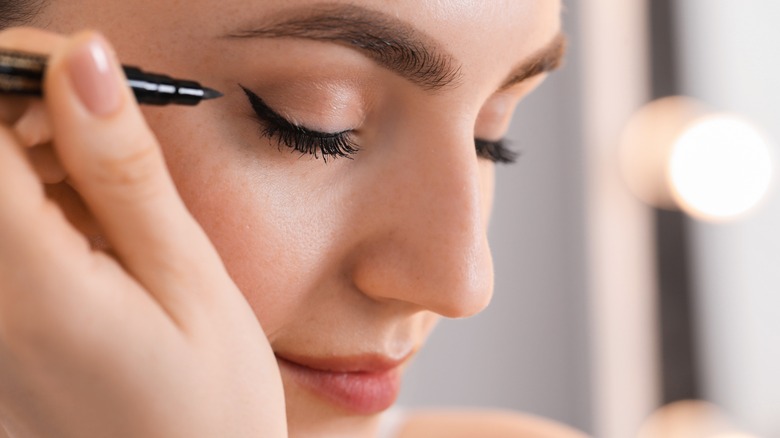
(730, 61)
(528, 350)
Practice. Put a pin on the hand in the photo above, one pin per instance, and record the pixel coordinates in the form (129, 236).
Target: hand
(148, 339)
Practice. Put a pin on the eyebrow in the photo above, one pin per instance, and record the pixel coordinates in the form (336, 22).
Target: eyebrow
(390, 42)
(544, 60)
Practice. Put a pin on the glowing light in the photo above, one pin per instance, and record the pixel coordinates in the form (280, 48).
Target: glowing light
(645, 147)
(720, 167)
(734, 435)
(690, 419)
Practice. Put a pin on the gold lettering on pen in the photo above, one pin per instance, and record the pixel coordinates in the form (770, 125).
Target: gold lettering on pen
(19, 84)
(26, 62)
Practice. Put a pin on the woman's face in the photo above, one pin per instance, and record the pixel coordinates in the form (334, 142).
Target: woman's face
(347, 262)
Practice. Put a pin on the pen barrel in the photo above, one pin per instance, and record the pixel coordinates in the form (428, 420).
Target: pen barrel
(156, 89)
(21, 73)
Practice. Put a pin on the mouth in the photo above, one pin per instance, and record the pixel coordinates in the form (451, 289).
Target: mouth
(363, 385)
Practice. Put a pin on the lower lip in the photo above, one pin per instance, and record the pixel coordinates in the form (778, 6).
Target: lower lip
(363, 393)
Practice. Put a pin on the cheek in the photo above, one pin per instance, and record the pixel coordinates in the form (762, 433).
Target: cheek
(247, 216)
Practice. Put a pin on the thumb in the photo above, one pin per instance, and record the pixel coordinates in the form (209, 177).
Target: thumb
(115, 163)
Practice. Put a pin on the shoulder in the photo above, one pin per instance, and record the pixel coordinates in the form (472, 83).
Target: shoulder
(484, 424)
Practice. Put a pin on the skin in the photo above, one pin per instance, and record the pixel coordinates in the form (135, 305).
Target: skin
(348, 258)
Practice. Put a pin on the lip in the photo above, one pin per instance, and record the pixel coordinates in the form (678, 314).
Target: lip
(364, 384)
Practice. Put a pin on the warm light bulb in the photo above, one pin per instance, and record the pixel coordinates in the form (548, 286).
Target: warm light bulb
(690, 419)
(720, 167)
(734, 435)
(646, 144)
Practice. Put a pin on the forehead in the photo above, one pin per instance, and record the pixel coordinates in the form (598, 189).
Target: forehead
(459, 25)
(436, 16)
(486, 37)
(479, 35)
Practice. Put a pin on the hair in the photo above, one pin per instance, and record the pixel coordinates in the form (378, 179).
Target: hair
(16, 12)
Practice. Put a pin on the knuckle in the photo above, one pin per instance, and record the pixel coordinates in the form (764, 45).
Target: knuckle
(136, 169)
(33, 126)
(30, 39)
(12, 35)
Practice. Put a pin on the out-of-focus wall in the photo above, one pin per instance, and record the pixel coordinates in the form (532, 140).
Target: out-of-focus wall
(730, 59)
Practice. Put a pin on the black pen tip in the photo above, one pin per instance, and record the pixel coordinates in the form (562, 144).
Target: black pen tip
(208, 93)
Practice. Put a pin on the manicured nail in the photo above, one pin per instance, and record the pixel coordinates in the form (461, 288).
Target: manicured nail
(93, 77)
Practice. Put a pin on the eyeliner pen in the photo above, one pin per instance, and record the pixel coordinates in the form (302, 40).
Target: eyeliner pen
(21, 73)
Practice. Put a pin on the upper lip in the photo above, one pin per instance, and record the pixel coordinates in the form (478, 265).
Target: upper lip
(362, 363)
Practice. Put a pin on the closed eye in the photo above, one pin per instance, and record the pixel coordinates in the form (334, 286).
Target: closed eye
(340, 144)
(299, 138)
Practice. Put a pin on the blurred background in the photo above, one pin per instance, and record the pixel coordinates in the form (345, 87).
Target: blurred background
(637, 240)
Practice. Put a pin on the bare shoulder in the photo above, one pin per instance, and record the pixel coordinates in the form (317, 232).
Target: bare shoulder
(484, 424)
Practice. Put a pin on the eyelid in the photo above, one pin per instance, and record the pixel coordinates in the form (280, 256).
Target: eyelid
(259, 104)
(339, 143)
(299, 138)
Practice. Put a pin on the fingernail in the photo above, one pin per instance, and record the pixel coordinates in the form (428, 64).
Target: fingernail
(93, 77)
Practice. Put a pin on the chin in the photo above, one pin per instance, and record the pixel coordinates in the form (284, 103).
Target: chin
(308, 416)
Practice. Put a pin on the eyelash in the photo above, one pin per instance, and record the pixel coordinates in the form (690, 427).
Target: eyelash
(340, 144)
(299, 138)
(496, 151)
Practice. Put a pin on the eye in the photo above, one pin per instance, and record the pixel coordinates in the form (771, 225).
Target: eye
(340, 144)
(496, 151)
(299, 138)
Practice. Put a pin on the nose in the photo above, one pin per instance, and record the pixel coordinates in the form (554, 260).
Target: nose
(423, 235)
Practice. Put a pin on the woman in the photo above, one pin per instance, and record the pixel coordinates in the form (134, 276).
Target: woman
(333, 195)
